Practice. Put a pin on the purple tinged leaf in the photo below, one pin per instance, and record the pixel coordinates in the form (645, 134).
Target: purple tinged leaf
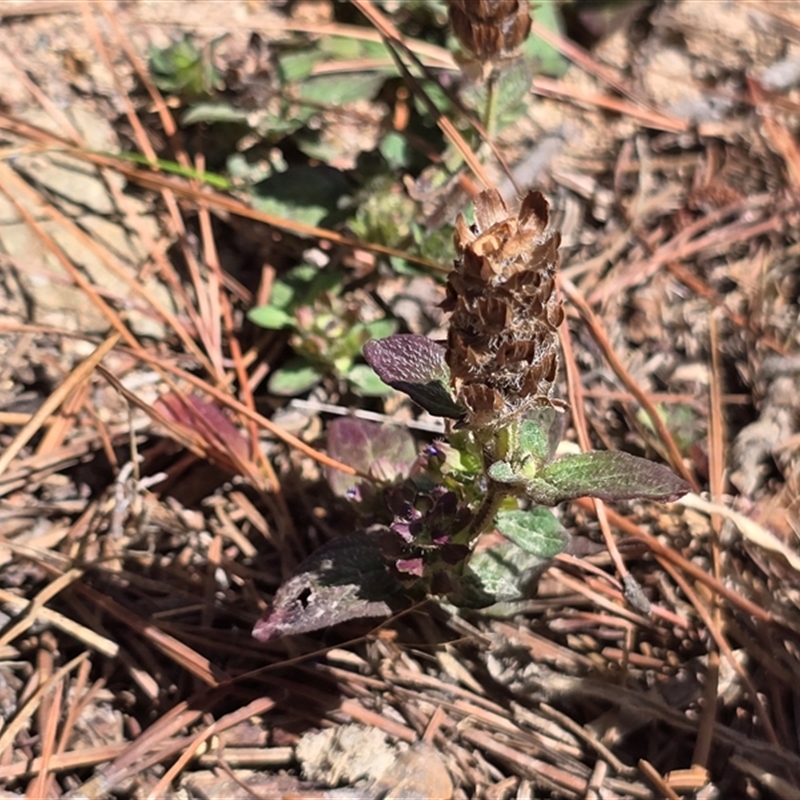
(347, 578)
(607, 476)
(205, 419)
(383, 469)
(385, 452)
(407, 357)
(415, 365)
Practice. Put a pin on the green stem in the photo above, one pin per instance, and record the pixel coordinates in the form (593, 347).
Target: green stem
(490, 118)
(210, 178)
(484, 516)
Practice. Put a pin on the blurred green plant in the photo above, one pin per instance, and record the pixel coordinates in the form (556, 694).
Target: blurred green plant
(386, 215)
(327, 332)
(296, 94)
(282, 110)
(186, 70)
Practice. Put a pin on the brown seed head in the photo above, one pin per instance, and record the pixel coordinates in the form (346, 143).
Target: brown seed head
(490, 29)
(502, 345)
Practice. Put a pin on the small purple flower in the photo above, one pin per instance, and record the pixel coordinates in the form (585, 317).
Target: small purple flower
(435, 450)
(353, 494)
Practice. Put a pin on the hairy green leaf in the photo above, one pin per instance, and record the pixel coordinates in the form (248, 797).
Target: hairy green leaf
(500, 574)
(536, 531)
(540, 434)
(606, 475)
(503, 472)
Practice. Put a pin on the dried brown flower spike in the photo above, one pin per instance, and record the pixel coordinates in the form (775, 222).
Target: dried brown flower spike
(490, 29)
(502, 346)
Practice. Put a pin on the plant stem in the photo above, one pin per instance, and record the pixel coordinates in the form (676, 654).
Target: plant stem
(490, 117)
(484, 516)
